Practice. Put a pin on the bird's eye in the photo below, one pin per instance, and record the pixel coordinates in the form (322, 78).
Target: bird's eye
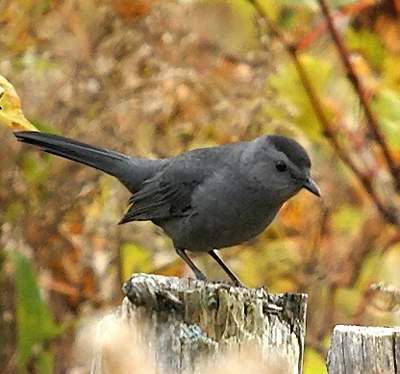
(281, 166)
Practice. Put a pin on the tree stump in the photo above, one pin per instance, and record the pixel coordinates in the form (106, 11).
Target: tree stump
(372, 350)
(186, 324)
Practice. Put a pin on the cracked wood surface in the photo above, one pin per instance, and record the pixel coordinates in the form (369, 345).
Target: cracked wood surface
(187, 322)
(372, 350)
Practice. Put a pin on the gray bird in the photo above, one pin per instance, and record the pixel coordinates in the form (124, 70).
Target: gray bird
(204, 199)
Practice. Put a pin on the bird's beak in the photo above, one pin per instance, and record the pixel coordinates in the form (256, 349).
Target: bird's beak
(310, 185)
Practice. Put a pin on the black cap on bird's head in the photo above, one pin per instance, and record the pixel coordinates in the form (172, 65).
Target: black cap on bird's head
(300, 162)
(281, 166)
(293, 150)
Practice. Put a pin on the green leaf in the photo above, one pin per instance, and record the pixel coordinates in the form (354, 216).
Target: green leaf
(391, 73)
(387, 107)
(368, 44)
(313, 362)
(312, 4)
(347, 300)
(45, 363)
(14, 210)
(35, 326)
(289, 87)
(347, 218)
(134, 259)
(371, 270)
(44, 126)
(36, 170)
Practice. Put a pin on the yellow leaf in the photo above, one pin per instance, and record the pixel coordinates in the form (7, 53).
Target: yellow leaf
(11, 114)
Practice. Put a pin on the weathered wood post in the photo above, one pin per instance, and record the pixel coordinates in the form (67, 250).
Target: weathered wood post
(187, 322)
(362, 350)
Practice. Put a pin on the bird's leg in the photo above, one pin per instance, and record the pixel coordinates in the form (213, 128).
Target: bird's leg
(221, 263)
(197, 272)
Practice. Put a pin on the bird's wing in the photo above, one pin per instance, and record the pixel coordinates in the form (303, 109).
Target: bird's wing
(169, 192)
(165, 195)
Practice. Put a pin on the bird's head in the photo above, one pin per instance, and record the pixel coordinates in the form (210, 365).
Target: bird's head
(282, 167)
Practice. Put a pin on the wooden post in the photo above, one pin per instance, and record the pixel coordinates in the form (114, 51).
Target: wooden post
(187, 324)
(372, 350)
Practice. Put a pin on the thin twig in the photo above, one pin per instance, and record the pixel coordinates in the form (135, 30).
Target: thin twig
(320, 28)
(372, 122)
(315, 101)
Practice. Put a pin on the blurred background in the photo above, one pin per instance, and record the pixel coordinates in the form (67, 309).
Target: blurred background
(157, 77)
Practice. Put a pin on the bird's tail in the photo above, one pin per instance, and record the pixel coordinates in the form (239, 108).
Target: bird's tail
(130, 171)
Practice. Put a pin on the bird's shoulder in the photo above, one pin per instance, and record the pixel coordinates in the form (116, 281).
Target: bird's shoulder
(168, 193)
(197, 165)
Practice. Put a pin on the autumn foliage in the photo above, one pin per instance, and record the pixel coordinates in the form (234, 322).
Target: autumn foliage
(157, 77)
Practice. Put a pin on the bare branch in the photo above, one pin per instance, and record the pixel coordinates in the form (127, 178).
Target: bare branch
(372, 121)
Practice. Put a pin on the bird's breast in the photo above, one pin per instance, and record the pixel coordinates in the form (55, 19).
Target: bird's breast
(221, 220)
